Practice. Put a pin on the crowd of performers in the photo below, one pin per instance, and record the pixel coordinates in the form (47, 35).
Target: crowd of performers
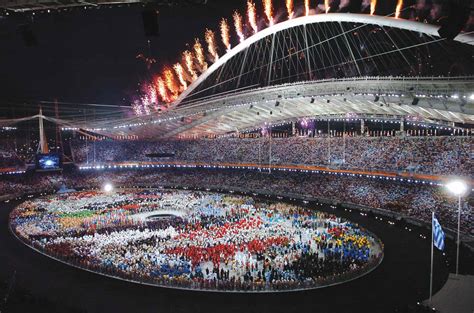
(197, 240)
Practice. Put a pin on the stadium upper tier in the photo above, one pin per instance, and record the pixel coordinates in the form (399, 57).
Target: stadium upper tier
(426, 155)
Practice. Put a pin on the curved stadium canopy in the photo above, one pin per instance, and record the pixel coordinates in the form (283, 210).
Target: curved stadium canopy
(322, 66)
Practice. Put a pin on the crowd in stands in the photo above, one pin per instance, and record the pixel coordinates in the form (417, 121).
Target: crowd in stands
(212, 242)
(428, 155)
(448, 155)
(8, 157)
(18, 154)
(409, 199)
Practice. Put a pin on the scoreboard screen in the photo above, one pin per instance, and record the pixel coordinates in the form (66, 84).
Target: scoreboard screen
(48, 162)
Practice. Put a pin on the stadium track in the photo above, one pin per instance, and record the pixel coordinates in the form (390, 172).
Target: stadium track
(402, 279)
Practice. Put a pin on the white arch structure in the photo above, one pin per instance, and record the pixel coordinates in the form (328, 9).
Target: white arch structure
(427, 29)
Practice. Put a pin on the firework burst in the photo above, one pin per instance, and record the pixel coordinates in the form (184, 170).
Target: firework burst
(373, 3)
(252, 16)
(306, 7)
(398, 9)
(171, 84)
(239, 29)
(199, 51)
(225, 33)
(211, 44)
(137, 108)
(290, 9)
(178, 69)
(161, 87)
(146, 103)
(152, 95)
(188, 60)
(268, 9)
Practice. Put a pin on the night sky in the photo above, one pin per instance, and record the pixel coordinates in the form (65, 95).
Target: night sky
(89, 56)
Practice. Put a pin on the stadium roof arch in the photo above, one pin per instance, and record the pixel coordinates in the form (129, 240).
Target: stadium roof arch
(363, 19)
(334, 65)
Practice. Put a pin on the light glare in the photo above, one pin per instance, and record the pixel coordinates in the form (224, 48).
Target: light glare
(108, 187)
(457, 187)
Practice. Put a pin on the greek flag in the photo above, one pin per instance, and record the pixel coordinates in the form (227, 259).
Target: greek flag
(438, 234)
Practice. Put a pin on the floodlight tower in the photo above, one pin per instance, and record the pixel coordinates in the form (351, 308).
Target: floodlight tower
(458, 188)
(43, 143)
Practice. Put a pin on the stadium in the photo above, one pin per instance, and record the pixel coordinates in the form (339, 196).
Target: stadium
(246, 156)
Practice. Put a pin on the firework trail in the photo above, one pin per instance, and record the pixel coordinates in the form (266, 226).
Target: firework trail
(145, 104)
(365, 4)
(137, 107)
(398, 9)
(326, 6)
(252, 16)
(178, 69)
(268, 9)
(239, 29)
(152, 95)
(343, 4)
(148, 100)
(306, 7)
(199, 51)
(211, 44)
(188, 60)
(373, 3)
(225, 33)
(290, 9)
(171, 84)
(161, 87)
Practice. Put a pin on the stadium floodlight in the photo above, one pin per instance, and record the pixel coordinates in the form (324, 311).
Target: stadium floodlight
(457, 187)
(108, 187)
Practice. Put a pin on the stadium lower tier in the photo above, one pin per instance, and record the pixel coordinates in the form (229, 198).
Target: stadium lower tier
(197, 240)
(406, 199)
